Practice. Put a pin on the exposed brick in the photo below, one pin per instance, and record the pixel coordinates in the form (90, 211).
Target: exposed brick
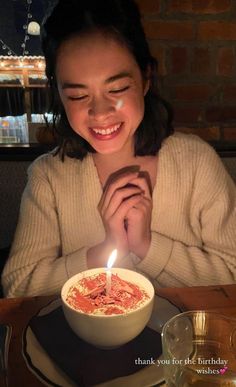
(201, 63)
(159, 53)
(206, 133)
(199, 6)
(149, 6)
(229, 92)
(194, 50)
(216, 30)
(229, 134)
(221, 114)
(186, 114)
(226, 61)
(191, 92)
(168, 30)
(179, 60)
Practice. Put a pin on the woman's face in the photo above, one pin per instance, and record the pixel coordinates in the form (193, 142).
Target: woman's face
(102, 90)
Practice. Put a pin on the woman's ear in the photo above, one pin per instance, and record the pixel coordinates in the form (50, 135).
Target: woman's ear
(146, 86)
(146, 81)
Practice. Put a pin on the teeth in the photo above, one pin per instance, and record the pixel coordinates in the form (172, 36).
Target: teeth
(106, 131)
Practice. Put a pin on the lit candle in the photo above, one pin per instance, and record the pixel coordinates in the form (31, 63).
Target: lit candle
(110, 263)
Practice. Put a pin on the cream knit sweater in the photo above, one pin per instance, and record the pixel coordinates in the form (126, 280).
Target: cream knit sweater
(193, 221)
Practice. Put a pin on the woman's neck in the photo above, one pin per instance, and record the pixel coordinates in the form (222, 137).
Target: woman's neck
(108, 164)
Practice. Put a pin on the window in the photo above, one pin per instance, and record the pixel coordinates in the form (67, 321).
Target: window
(23, 98)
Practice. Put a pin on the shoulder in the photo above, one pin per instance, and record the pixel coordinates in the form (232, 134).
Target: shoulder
(192, 156)
(186, 143)
(50, 165)
(189, 148)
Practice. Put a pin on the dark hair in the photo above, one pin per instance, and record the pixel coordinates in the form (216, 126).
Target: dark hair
(122, 21)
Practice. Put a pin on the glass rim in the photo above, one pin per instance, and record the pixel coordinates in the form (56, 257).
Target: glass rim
(195, 311)
(231, 320)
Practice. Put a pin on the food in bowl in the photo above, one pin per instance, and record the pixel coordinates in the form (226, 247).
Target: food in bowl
(89, 295)
(114, 329)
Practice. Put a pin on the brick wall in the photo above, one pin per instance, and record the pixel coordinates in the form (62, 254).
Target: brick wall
(194, 42)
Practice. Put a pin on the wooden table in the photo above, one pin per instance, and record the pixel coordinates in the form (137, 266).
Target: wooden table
(18, 311)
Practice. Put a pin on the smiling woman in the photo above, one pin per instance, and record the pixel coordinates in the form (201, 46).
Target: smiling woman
(93, 72)
(119, 178)
(110, 26)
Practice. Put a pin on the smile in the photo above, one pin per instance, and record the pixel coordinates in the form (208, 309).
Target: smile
(106, 131)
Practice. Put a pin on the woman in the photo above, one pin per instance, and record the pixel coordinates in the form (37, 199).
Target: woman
(119, 177)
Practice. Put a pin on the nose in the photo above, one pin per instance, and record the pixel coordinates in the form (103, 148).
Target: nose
(101, 107)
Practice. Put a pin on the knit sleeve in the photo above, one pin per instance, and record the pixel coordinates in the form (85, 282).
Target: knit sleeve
(212, 259)
(36, 265)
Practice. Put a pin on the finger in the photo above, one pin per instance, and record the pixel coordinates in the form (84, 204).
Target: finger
(114, 185)
(118, 197)
(144, 205)
(126, 205)
(116, 221)
(143, 184)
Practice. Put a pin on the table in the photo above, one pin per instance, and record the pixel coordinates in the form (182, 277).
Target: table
(18, 311)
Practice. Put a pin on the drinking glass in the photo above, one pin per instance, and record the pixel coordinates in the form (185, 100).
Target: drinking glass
(5, 335)
(199, 349)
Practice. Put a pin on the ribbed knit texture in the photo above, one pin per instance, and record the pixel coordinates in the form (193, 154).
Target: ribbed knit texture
(193, 221)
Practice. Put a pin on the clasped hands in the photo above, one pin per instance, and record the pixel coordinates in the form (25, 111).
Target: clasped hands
(125, 209)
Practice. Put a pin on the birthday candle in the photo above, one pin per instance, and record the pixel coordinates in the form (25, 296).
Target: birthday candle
(110, 263)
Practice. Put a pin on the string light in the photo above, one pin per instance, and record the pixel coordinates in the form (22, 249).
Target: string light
(11, 52)
(29, 16)
(20, 62)
(6, 47)
(33, 28)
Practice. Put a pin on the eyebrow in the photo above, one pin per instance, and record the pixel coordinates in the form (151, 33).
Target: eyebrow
(113, 78)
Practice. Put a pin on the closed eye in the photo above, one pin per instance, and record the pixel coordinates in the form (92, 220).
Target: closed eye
(119, 90)
(77, 98)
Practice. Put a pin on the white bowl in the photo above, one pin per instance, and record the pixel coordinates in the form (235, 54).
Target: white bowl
(107, 331)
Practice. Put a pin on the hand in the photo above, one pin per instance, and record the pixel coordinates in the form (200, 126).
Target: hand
(119, 197)
(138, 220)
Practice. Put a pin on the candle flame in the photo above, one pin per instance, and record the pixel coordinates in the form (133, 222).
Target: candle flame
(111, 259)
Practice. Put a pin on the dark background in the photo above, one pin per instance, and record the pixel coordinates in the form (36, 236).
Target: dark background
(195, 45)
(13, 15)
